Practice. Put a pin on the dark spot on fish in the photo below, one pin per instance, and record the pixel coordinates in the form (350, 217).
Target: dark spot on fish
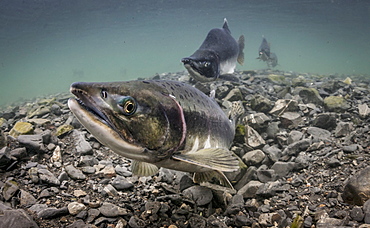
(181, 96)
(172, 88)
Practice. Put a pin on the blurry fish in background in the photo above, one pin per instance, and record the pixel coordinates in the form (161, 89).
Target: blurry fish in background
(273, 60)
(216, 56)
(264, 50)
(266, 55)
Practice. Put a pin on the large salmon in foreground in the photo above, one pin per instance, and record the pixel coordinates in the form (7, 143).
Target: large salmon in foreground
(159, 124)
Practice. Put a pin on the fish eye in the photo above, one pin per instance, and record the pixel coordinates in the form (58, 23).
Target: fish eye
(127, 105)
(206, 64)
(104, 94)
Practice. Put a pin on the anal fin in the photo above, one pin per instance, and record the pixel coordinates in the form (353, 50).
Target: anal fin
(208, 176)
(143, 168)
(212, 158)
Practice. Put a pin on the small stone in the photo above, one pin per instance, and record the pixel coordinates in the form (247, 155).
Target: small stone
(10, 189)
(333, 162)
(357, 188)
(283, 105)
(27, 199)
(88, 170)
(282, 169)
(21, 128)
(63, 129)
(363, 110)
(57, 155)
(234, 95)
(199, 194)
(39, 111)
(5, 159)
(261, 104)
(318, 133)
(108, 171)
(109, 190)
(33, 142)
(47, 177)
(357, 214)
(266, 175)
(121, 170)
(79, 193)
(296, 147)
(326, 121)
(92, 214)
(111, 210)
(136, 222)
(82, 146)
(252, 138)
(343, 129)
(74, 173)
(257, 121)
(121, 183)
(52, 212)
(19, 153)
(253, 157)
(39, 121)
(309, 95)
(249, 190)
(350, 148)
(74, 208)
(294, 136)
(88, 160)
(336, 104)
(290, 120)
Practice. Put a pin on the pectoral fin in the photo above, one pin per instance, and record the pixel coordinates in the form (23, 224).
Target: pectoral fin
(143, 168)
(241, 48)
(212, 158)
(207, 176)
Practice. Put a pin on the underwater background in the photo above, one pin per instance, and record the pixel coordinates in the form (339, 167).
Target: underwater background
(47, 45)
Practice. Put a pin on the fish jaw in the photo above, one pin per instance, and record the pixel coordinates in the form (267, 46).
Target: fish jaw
(104, 133)
(203, 70)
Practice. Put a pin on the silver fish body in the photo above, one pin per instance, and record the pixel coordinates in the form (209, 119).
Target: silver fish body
(158, 124)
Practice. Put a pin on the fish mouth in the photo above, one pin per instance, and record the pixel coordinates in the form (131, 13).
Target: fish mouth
(86, 103)
(194, 70)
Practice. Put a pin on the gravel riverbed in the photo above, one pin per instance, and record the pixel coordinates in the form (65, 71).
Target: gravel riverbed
(304, 137)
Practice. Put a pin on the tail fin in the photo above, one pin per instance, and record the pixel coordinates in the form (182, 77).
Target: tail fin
(241, 48)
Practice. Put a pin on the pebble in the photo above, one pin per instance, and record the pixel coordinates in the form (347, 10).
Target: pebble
(47, 177)
(52, 212)
(74, 173)
(33, 142)
(74, 208)
(357, 188)
(9, 189)
(21, 128)
(111, 210)
(253, 157)
(199, 194)
(121, 183)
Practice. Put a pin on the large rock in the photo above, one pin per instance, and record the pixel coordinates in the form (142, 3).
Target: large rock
(15, 218)
(336, 104)
(21, 128)
(357, 188)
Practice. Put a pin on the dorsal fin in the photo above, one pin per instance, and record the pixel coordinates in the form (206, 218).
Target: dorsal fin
(226, 26)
